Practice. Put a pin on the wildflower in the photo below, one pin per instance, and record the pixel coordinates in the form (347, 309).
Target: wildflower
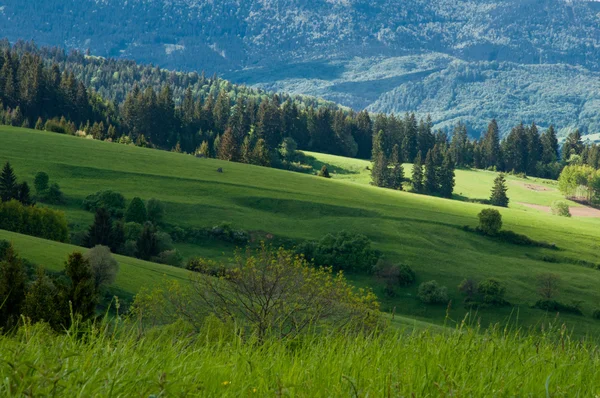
(226, 383)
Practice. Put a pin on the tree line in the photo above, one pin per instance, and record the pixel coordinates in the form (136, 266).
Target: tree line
(124, 102)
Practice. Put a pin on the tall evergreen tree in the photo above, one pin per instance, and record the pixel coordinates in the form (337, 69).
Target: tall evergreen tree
(417, 174)
(396, 175)
(490, 146)
(534, 149)
(100, 232)
(430, 183)
(81, 292)
(228, 149)
(379, 170)
(498, 196)
(24, 194)
(12, 288)
(572, 146)
(459, 145)
(147, 243)
(136, 212)
(446, 177)
(8, 184)
(260, 154)
(550, 149)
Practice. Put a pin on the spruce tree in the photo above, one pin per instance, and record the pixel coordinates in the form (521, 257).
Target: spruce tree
(100, 232)
(447, 177)
(396, 175)
(498, 197)
(24, 194)
(417, 174)
(81, 291)
(260, 154)
(228, 149)
(430, 183)
(39, 125)
(8, 183)
(550, 149)
(136, 212)
(490, 146)
(379, 171)
(147, 243)
(42, 301)
(12, 288)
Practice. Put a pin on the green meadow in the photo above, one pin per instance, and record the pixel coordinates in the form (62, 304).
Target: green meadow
(423, 232)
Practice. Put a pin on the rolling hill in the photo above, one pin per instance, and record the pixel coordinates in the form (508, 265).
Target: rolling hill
(424, 232)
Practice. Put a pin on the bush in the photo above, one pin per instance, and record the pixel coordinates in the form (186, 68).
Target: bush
(342, 251)
(432, 293)
(104, 266)
(132, 230)
(556, 306)
(35, 221)
(490, 221)
(561, 208)
(468, 287)
(206, 266)
(112, 201)
(41, 183)
(155, 211)
(492, 292)
(53, 195)
(324, 172)
(164, 241)
(169, 257)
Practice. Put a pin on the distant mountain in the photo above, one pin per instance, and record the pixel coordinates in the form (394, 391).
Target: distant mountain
(531, 60)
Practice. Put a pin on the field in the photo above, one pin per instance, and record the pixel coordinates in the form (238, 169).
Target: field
(423, 232)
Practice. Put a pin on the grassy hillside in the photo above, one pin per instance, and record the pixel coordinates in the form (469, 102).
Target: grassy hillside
(423, 232)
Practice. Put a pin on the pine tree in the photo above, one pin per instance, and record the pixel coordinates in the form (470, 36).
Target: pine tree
(447, 177)
(396, 175)
(430, 183)
(39, 125)
(260, 154)
(490, 146)
(100, 232)
(246, 151)
(8, 183)
(24, 194)
(550, 149)
(379, 171)
(12, 288)
(498, 197)
(228, 149)
(81, 291)
(572, 146)
(222, 111)
(136, 212)
(417, 174)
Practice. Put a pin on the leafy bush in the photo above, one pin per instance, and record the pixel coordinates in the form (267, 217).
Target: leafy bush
(342, 251)
(35, 221)
(490, 221)
(155, 211)
(393, 275)
(169, 257)
(136, 211)
(432, 293)
(132, 230)
(561, 208)
(206, 266)
(112, 201)
(324, 172)
(41, 183)
(555, 306)
(492, 292)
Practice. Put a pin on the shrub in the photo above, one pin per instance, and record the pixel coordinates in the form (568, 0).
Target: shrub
(561, 208)
(406, 276)
(112, 201)
(556, 306)
(272, 293)
(53, 195)
(206, 266)
(169, 257)
(55, 127)
(492, 292)
(35, 221)
(490, 221)
(164, 241)
(41, 183)
(104, 266)
(324, 172)
(155, 211)
(468, 287)
(393, 275)
(342, 251)
(432, 293)
(132, 230)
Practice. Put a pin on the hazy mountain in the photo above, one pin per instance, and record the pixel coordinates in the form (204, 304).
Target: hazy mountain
(455, 59)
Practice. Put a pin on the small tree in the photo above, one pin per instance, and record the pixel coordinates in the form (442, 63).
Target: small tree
(155, 211)
(8, 183)
(446, 177)
(548, 285)
(468, 287)
(492, 291)
(490, 221)
(23, 194)
(288, 148)
(324, 172)
(136, 212)
(42, 302)
(40, 183)
(147, 243)
(101, 230)
(81, 292)
(430, 183)
(432, 293)
(53, 195)
(561, 208)
(417, 174)
(104, 266)
(271, 292)
(12, 287)
(39, 125)
(498, 197)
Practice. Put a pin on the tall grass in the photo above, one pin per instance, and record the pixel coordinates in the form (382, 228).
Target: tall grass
(172, 362)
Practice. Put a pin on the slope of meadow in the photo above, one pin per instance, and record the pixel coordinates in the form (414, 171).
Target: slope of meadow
(423, 232)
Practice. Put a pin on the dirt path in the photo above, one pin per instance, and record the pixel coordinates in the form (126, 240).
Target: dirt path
(583, 211)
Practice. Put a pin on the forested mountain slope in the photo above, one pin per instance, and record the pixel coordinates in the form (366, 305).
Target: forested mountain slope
(456, 59)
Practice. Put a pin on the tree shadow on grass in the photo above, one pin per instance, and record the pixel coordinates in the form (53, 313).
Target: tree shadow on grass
(317, 165)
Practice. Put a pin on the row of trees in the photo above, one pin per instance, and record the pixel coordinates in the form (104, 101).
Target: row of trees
(57, 299)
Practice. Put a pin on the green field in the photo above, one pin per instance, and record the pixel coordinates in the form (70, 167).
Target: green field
(423, 232)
